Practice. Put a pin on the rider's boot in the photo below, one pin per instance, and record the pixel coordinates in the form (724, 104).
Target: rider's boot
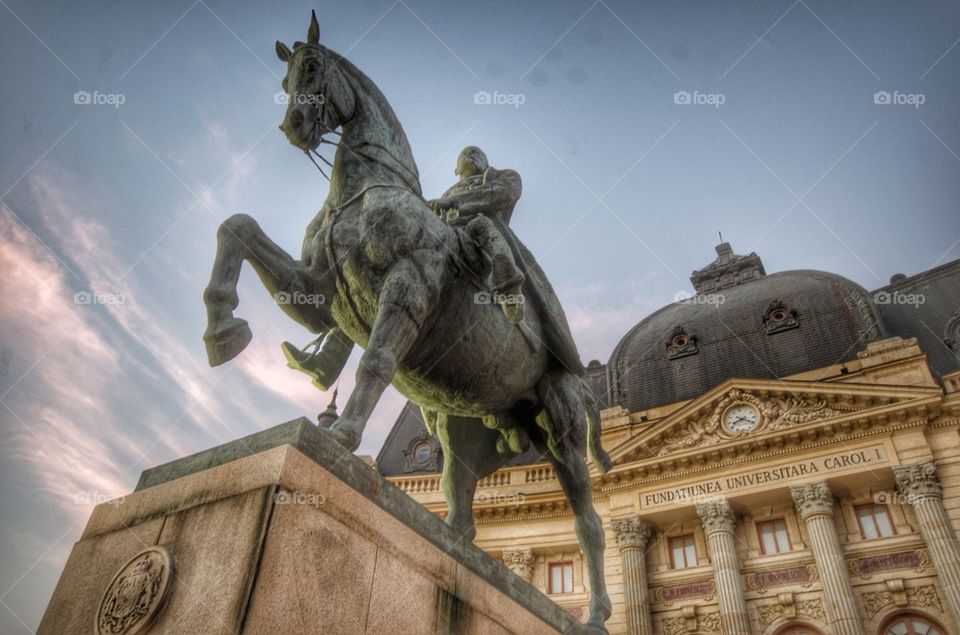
(508, 287)
(322, 363)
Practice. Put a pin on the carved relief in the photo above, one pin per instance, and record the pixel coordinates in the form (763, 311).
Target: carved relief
(762, 581)
(705, 589)
(918, 481)
(768, 613)
(777, 414)
(674, 625)
(709, 623)
(136, 594)
(865, 567)
(920, 597)
(810, 609)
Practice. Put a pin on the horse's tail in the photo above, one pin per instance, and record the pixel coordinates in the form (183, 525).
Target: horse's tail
(601, 460)
(571, 417)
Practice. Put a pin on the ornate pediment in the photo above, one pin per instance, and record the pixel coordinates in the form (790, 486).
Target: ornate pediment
(740, 410)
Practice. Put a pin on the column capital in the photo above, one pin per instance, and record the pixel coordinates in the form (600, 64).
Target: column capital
(918, 481)
(520, 561)
(632, 531)
(812, 499)
(716, 515)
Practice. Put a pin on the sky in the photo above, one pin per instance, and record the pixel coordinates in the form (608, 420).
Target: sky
(820, 135)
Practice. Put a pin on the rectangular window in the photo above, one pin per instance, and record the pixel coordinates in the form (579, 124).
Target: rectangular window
(683, 552)
(773, 536)
(561, 577)
(874, 521)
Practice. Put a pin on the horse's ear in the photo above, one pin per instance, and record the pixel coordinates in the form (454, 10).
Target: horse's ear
(313, 33)
(283, 52)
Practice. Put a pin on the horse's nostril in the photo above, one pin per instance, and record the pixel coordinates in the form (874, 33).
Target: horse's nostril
(296, 119)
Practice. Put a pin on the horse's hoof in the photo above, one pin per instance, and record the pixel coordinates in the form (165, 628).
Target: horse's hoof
(227, 340)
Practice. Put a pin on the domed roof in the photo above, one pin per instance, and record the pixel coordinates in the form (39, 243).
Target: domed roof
(740, 323)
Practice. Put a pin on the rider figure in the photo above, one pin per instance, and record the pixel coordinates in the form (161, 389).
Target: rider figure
(482, 192)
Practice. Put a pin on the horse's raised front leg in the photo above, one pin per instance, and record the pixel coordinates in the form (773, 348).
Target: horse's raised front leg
(239, 238)
(402, 306)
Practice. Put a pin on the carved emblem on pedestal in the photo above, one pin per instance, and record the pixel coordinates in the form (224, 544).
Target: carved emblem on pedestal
(136, 594)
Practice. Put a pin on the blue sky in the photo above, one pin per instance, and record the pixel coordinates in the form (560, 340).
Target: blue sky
(784, 149)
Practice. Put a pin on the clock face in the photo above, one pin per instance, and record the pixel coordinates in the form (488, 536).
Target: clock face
(741, 418)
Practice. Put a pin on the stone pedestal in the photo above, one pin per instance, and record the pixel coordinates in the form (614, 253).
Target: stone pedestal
(633, 535)
(814, 503)
(284, 532)
(921, 487)
(718, 523)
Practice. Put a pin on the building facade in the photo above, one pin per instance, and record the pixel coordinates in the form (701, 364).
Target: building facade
(786, 454)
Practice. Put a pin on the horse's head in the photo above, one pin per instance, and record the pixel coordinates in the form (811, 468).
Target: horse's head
(320, 96)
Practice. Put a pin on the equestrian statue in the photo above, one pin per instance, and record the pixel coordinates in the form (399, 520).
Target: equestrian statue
(446, 302)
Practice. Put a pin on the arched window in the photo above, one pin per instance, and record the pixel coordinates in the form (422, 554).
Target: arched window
(911, 624)
(798, 630)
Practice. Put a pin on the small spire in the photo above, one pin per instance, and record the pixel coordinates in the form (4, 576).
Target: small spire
(328, 416)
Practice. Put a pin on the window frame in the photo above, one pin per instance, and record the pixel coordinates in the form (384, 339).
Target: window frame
(760, 524)
(562, 565)
(693, 543)
(873, 507)
(910, 615)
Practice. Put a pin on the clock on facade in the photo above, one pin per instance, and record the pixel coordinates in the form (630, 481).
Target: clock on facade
(741, 418)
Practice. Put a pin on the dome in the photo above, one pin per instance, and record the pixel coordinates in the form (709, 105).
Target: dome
(741, 323)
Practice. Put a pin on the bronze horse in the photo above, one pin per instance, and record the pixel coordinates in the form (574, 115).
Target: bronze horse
(398, 282)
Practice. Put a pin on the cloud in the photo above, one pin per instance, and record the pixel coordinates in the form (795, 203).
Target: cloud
(601, 313)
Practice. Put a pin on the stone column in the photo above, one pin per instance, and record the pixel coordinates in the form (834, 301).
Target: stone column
(718, 522)
(520, 561)
(814, 503)
(919, 484)
(633, 535)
